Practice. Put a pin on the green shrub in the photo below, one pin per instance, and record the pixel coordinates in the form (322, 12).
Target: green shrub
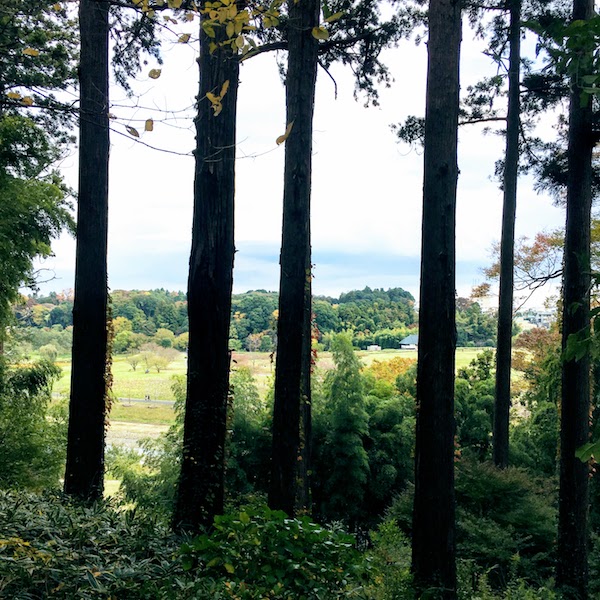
(391, 561)
(33, 434)
(506, 523)
(265, 554)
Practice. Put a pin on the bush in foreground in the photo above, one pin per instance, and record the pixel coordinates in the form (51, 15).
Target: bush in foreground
(51, 547)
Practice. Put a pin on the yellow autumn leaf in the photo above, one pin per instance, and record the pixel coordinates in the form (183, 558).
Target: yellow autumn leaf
(154, 73)
(286, 135)
(189, 16)
(212, 47)
(174, 21)
(132, 131)
(224, 89)
(183, 39)
(14, 95)
(320, 33)
(230, 29)
(334, 17)
(27, 100)
(212, 98)
(31, 52)
(175, 3)
(239, 41)
(57, 7)
(149, 125)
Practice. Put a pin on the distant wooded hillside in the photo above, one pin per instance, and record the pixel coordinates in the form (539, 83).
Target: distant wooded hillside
(374, 316)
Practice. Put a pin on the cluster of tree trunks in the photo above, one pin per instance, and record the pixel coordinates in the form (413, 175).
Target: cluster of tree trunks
(201, 486)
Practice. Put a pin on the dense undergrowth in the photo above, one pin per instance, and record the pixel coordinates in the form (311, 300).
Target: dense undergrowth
(363, 444)
(51, 547)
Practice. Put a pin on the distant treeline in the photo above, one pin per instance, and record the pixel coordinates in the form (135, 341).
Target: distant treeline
(374, 316)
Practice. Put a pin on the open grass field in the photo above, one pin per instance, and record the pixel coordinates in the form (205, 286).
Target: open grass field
(132, 421)
(157, 386)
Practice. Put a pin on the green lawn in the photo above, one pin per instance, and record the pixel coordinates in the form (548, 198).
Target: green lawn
(139, 384)
(132, 384)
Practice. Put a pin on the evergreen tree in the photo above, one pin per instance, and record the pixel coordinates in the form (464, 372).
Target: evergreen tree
(572, 555)
(434, 544)
(345, 455)
(37, 59)
(84, 475)
(200, 493)
(291, 412)
(507, 244)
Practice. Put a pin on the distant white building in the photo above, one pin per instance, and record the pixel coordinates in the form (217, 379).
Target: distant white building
(410, 342)
(373, 348)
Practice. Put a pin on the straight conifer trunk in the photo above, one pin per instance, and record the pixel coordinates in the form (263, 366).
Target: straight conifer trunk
(84, 475)
(507, 246)
(200, 494)
(433, 559)
(572, 552)
(291, 412)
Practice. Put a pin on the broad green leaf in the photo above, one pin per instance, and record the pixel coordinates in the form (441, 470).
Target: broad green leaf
(587, 451)
(229, 568)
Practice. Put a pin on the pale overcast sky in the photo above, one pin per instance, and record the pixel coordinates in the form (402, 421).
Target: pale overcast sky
(367, 189)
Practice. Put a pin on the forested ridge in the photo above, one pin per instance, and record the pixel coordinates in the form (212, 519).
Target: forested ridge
(299, 453)
(380, 317)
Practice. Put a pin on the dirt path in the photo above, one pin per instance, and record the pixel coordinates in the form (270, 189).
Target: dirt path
(128, 434)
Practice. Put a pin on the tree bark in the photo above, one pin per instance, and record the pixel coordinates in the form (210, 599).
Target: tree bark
(292, 370)
(84, 475)
(200, 494)
(433, 559)
(507, 246)
(572, 551)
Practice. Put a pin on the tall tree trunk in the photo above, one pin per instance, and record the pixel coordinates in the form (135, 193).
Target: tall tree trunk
(507, 246)
(84, 476)
(433, 559)
(292, 380)
(200, 494)
(572, 554)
